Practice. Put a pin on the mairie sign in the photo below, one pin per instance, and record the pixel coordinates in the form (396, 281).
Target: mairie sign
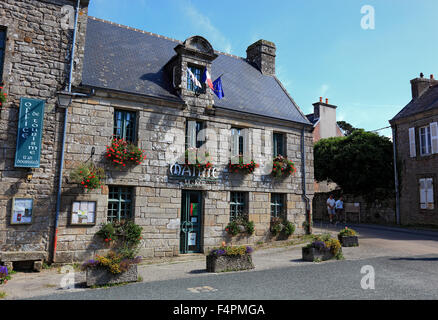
(30, 128)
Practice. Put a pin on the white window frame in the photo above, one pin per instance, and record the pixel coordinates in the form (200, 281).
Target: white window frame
(425, 146)
(426, 186)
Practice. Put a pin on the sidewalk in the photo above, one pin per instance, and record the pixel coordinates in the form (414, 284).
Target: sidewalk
(49, 281)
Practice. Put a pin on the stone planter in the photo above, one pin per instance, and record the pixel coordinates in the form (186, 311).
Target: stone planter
(312, 254)
(349, 241)
(229, 263)
(101, 276)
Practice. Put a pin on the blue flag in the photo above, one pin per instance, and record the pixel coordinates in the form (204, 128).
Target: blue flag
(217, 88)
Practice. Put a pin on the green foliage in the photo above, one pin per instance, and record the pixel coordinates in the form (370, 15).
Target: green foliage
(282, 167)
(282, 226)
(359, 163)
(347, 232)
(125, 234)
(88, 176)
(2, 98)
(346, 127)
(240, 225)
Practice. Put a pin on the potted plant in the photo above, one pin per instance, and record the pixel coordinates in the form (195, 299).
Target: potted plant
(322, 248)
(348, 237)
(281, 228)
(2, 98)
(240, 225)
(226, 258)
(120, 264)
(282, 167)
(122, 153)
(241, 167)
(4, 276)
(88, 176)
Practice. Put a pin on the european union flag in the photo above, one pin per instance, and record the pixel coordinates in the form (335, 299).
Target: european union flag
(217, 88)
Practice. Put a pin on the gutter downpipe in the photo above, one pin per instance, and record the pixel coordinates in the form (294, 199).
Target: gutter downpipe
(305, 197)
(61, 167)
(397, 194)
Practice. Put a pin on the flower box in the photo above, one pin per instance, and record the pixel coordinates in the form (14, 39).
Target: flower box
(101, 276)
(229, 263)
(313, 254)
(349, 241)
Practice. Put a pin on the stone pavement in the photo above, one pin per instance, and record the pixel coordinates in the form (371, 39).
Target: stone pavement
(375, 241)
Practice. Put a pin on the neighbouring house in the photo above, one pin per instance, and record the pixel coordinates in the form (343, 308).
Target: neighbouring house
(146, 89)
(325, 125)
(415, 133)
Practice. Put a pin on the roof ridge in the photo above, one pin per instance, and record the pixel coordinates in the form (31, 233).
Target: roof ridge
(157, 35)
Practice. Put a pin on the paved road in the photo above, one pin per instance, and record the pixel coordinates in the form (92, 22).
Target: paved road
(395, 278)
(405, 265)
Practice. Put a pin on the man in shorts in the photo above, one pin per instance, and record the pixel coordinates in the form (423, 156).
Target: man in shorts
(331, 207)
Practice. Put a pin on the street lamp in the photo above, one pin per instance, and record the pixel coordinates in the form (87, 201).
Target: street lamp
(64, 99)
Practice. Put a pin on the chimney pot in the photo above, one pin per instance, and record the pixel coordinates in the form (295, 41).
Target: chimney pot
(320, 99)
(326, 101)
(421, 75)
(431, 76)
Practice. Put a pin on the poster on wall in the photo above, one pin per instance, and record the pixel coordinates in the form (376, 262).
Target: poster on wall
(22, 210)
(192, 239)
(83, 213)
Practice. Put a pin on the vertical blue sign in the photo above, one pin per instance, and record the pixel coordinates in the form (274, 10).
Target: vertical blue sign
(30, 128)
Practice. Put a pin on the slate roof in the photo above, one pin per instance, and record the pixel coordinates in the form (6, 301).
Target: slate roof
(427, 101)
(311, 118)
(132, 61)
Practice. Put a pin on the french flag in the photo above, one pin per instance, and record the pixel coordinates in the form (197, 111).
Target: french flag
(207, 79)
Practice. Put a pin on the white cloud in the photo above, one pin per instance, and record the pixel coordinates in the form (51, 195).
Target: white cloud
(206, 28)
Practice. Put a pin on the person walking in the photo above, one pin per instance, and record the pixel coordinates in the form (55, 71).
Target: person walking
(331, 207)
(339, 208)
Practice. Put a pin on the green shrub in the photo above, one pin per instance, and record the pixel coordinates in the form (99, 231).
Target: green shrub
(347, 232)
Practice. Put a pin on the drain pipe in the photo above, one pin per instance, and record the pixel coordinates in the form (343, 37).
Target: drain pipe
(397, 194)
(61, 167)
(303, 172)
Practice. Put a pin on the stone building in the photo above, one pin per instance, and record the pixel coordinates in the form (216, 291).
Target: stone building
(135, 85)
(415, 133)
(325, 126)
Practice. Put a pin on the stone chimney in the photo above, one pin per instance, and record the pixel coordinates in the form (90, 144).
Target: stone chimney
(326, 113)
(262, 55)
(420, 85)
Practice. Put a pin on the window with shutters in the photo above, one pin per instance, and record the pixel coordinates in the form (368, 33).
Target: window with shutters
(125, 125)
(238, 204)
(425, 141)
(278, 144)
(426, 186)
(277, 205)
(195, 137)
(240, 145)
(120, 203)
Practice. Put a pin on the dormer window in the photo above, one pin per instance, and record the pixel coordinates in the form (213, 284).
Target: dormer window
(197, 73)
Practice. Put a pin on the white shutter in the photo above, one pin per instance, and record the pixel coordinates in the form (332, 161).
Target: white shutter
(412, 142)
(429, 193)
(234, 146)
(191, 134)
(423, 204)
(246, 145)
(434, 137)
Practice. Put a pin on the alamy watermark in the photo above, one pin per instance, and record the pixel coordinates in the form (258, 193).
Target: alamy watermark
(368, 21)
(367, 281)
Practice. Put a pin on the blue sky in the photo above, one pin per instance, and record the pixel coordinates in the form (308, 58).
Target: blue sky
(321, 48)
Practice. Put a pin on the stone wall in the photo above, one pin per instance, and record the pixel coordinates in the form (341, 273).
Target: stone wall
(377, 211)
(413, 169)
(158, 199)
(35, 66)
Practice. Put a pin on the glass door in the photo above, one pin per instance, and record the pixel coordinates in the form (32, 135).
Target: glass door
(191, 213)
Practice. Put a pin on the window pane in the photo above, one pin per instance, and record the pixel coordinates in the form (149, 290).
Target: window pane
(197, 73)
(119, 203)
(124, 125)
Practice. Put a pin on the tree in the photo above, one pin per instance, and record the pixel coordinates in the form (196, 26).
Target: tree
(359, 163)
(346, 127)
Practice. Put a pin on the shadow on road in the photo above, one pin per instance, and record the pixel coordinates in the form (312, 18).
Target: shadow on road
(415, 259)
